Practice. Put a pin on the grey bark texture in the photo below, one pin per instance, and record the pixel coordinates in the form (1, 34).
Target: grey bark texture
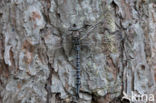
(37, 61)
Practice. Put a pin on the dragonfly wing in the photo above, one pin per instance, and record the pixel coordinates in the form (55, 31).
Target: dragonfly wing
(56, 46)
(90, 29)
(67, 44)
(52, 42)
(55, 42)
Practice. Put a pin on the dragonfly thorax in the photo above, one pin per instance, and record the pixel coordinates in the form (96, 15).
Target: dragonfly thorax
(76, 34)
(76, 40)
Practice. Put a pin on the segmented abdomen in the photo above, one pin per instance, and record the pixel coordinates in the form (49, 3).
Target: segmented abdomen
(77, 49)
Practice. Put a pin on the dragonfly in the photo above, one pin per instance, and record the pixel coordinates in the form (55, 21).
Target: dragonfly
(77, 37)
(73, 42)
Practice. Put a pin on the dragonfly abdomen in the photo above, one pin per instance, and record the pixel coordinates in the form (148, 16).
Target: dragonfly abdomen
(77, 49)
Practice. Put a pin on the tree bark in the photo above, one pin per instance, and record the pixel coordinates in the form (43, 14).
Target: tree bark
(37, 59)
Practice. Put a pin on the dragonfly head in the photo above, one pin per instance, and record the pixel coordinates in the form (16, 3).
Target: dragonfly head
(75, 31)
(74, 25)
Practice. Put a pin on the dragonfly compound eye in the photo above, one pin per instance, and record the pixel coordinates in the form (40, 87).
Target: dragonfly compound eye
(74, 25)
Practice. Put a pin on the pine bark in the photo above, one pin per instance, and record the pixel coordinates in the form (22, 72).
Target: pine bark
(37, 61)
